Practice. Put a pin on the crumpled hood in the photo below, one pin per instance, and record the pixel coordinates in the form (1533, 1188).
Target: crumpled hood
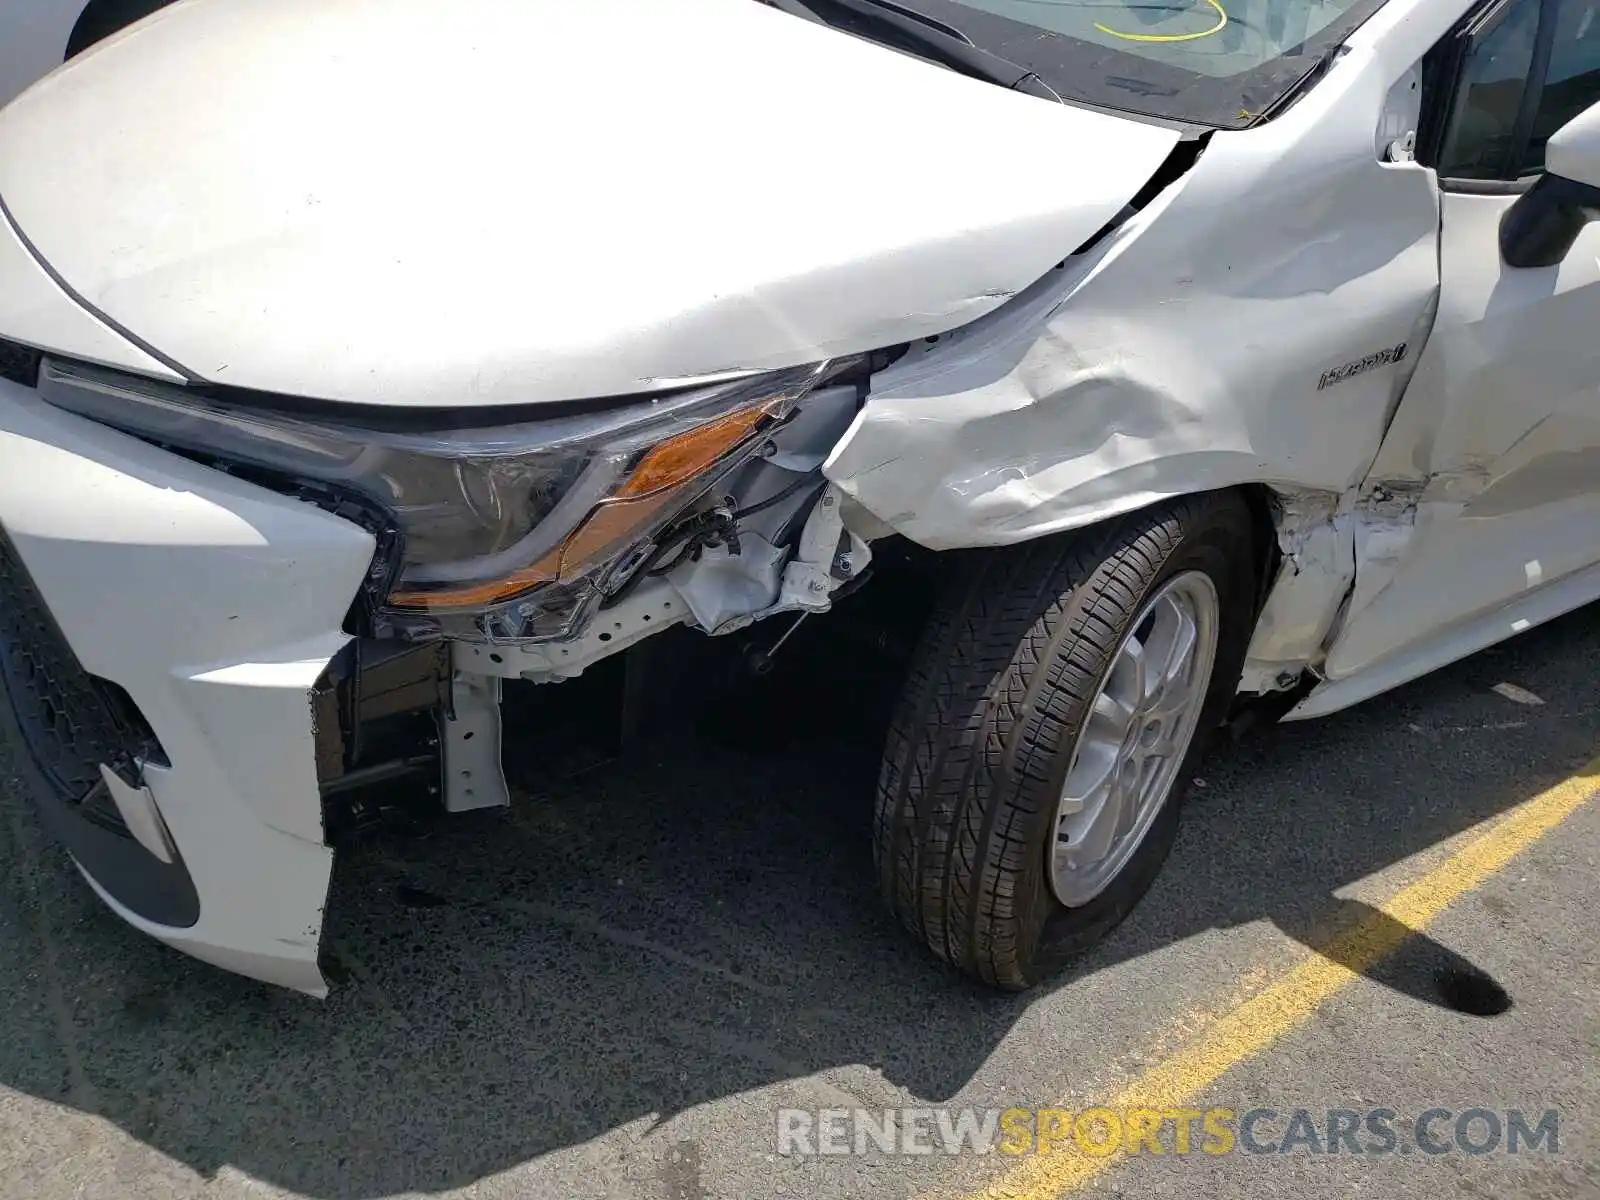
(511, 201)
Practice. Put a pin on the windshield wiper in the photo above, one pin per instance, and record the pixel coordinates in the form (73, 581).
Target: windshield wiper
(921, 35)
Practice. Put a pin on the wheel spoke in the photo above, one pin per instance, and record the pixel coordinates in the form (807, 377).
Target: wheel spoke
(1169, 707)
(1171, 642)
(1134, 674)
(1109, 719)
(1132, 800)
(1090, 775)
(1100, 832)
(1179, 661)
(1161, 750)
(1175, 737)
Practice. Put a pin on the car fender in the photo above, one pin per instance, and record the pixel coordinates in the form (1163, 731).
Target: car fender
(1256, 323)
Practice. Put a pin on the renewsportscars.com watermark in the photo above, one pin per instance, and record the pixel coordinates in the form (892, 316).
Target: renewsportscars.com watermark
(1102, 1132)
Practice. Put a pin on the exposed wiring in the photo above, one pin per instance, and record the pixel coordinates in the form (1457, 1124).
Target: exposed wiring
(687, 540)
(715, 526)
(1222, 20)
(809, 479)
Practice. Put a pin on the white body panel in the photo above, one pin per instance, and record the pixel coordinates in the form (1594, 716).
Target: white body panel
(1452, 642)
(216, 605)
(567, 211)
(1495, 454)
(35, 310)
(1573, 151)
(1185, 352)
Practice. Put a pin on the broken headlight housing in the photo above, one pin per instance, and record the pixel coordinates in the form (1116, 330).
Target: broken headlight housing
(506, 533)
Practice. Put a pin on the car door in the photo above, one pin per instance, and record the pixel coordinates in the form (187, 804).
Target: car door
(1481, 515)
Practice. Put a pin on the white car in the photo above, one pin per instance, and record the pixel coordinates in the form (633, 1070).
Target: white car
(1216, 356)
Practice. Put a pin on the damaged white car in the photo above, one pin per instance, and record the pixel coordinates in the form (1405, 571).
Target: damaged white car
(358, 356)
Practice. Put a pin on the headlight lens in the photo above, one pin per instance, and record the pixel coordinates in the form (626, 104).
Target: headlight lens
(507, 532)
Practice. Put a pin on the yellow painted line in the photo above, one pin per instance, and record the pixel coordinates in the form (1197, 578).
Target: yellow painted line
(1261, 1020)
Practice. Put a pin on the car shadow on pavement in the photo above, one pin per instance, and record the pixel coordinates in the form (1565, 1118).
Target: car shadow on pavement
(651, 933)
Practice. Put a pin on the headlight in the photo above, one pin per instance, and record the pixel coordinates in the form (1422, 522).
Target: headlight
(508, 532)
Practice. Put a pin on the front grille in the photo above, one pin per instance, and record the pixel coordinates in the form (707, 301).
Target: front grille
(19, 364)
(71, 721)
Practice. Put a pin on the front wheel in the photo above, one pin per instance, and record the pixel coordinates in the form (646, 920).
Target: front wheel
(1049, 726)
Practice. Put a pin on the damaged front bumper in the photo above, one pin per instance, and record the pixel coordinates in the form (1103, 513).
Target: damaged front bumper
(177, 621)
(198, 726)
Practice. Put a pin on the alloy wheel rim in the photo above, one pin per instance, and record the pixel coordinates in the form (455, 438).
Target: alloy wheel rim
(1132, 745)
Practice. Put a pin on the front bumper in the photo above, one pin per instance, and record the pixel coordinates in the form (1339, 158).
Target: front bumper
(215, 605)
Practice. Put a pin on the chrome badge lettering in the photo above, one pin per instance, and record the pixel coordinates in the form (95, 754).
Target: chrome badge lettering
(1382, 358)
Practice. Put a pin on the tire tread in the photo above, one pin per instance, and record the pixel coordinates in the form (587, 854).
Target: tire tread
(1004, 671)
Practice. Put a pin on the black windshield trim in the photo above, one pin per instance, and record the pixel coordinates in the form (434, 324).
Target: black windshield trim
(915, 33)
(1104, 78)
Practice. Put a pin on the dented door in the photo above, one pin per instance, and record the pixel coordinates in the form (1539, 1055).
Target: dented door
(1481, 513)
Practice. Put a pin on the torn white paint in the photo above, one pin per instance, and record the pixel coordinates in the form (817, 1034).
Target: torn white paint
(1384, 522)
(1314, 577)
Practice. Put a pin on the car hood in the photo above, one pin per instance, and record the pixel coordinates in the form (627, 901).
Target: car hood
(513, 201)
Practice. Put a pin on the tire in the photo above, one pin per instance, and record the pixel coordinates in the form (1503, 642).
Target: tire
(987, 725)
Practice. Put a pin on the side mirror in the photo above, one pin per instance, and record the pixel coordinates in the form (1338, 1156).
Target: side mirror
(1539, 229)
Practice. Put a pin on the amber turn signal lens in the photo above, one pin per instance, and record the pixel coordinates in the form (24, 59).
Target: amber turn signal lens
(546, 570)
(612, 526)
(651, 488)
(680, 459)
(614, 523)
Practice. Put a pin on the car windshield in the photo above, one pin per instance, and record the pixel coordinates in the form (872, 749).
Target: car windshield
(1220, 63)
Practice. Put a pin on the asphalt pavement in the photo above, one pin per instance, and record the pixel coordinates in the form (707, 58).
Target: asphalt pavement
(613, 989)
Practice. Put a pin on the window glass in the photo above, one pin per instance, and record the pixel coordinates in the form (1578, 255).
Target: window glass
(1478, 141)
(1220, 63)
(1572, 83)
(1210, 37)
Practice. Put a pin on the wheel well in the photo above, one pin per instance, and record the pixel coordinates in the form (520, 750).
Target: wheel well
(906, 578)
(101, 18)
(919, 568)
(1266, 552)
